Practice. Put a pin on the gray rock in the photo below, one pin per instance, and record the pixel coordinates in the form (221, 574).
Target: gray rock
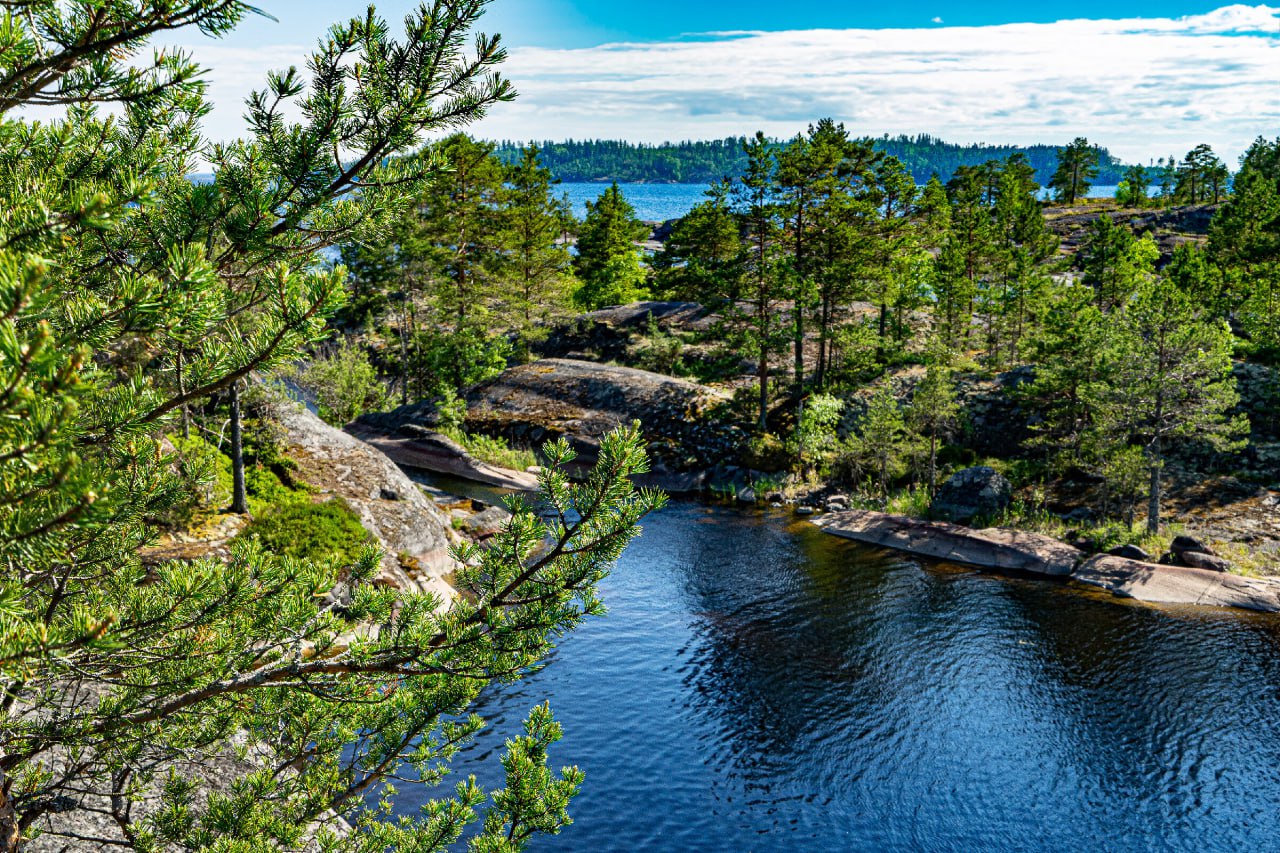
(1131, 552)
(1079, 515)
(1209, 562)
(997, 548)
(972, 493)
(746, 495)
(1186, 544)
(805, 510)
(414, 533)
(486, 523)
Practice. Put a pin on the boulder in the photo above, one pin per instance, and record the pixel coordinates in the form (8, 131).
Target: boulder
(972, 493)
(414, 533)
(415, 446)
(484, 524)
(1186, 544)
(1131, 552)
(1209, 562)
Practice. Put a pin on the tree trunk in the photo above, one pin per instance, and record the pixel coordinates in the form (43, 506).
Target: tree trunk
(1153, 504)
(933, 463)
(10, 826)
(239, 497)
(799, 348)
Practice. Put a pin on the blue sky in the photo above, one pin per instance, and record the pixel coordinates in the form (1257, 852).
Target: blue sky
(1145, 79)
(583, 23)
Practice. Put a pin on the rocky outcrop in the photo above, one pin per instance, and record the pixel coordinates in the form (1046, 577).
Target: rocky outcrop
(1015, 550)
(414, 533)
(997, 548)
(409, 443)
(607, 334)
(1158, 584)
(979, 492)
(683, 423)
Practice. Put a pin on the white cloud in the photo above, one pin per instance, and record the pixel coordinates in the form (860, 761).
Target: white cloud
(1145, 87)
(936, 20)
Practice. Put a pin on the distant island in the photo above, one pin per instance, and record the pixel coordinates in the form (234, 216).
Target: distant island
(703, 162)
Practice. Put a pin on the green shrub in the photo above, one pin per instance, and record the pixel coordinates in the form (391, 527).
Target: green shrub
(328, 531)
(494, 451)
(345, 385)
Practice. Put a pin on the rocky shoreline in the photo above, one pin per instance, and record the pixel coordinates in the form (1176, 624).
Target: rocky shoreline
(1006, 550)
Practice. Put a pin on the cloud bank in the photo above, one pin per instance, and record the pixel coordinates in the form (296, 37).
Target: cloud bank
(1145, 87)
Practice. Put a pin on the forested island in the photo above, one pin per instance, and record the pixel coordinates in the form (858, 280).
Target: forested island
(587, 161)
(237, 613)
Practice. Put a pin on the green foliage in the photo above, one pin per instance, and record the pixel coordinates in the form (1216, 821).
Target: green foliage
(445, 360)
(700, 260)
(130, 295)
(815, 435)
(495, 451)
(705, 162)
(345, 384)
(1077, 168)
(324, 532)
(608, 261)
(1165, 375)
(876, 450)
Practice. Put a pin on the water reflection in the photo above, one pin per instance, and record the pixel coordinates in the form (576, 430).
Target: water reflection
(760, 686)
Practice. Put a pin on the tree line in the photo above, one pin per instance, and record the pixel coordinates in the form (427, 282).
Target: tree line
(704, 162)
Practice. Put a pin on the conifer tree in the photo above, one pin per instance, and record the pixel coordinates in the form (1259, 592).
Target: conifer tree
(536, 265)
(1165, 376)
(700, 259)
(608, 262)
(129, 292)
(755, 204)
(1077, 167)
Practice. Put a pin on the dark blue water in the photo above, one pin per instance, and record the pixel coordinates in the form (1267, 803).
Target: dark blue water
(759, 686)
(660, 202)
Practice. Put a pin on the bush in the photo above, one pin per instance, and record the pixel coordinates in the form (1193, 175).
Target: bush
(345, 385)
(328, 531)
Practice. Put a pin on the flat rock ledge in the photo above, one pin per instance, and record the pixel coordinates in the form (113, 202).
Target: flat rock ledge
(1015, 550)
(435, 452)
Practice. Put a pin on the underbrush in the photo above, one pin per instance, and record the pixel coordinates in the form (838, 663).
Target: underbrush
(495, 451)
(208, 472)
(311, 531)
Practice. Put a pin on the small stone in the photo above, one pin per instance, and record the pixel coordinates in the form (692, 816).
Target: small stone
(1186, 544)
(1199, 560)
(805, 510)
(1131, 552)
(746, 495)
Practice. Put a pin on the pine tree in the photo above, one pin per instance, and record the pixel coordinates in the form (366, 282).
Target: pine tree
(755, 205)
(1077, 167)
(129, 292)
(934, 414)
(537, 268)
(608, 262)
(701, 257)
(1165, 375)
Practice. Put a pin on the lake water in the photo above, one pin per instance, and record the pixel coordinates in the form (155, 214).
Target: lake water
(660, 202)
(759, 686)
